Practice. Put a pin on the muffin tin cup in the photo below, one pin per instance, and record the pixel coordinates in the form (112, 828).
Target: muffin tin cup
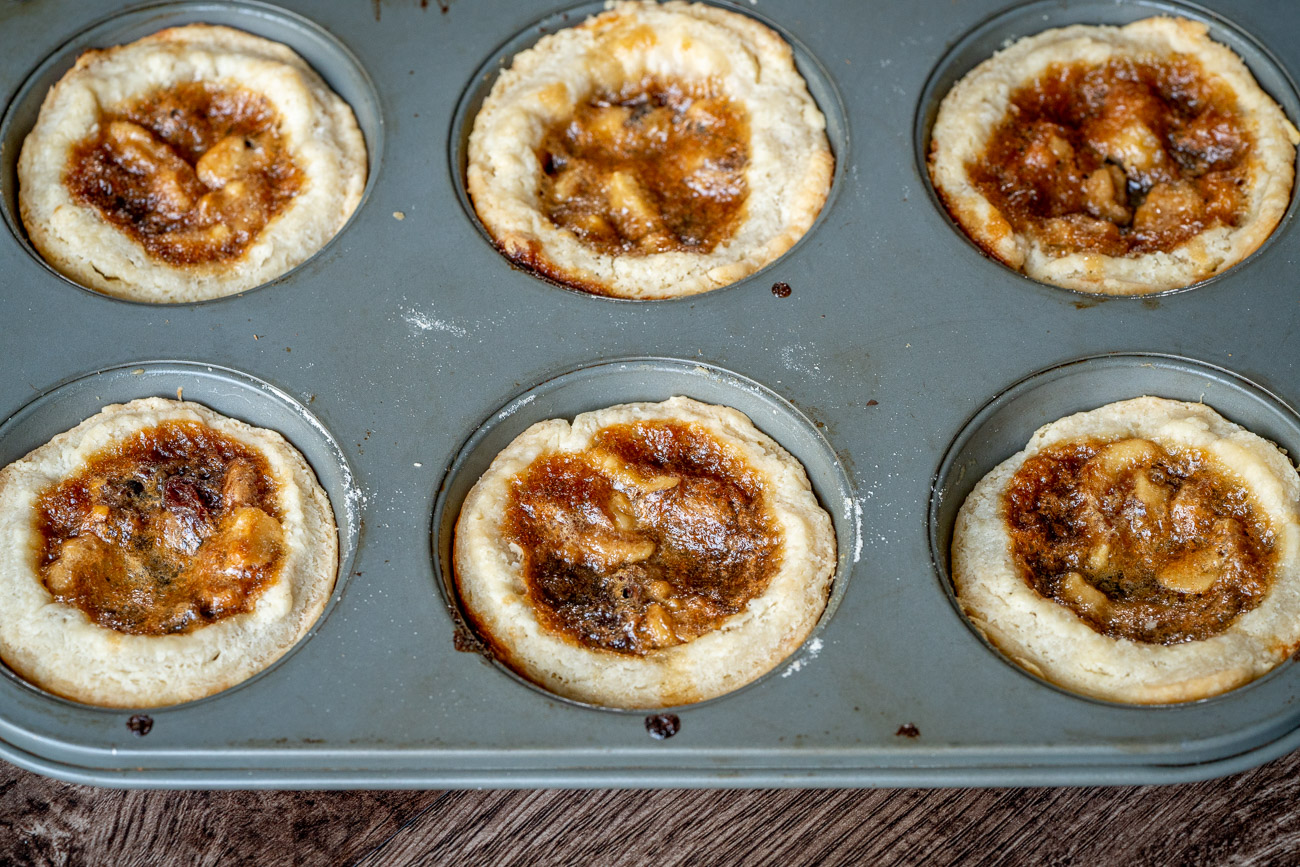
(821, 86)
(1028, 19)
(323, 52)
(229, 392)
(598, 386)
(1004, 426)
(422, 352)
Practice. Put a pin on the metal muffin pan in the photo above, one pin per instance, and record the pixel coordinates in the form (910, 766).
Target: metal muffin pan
(406, 339)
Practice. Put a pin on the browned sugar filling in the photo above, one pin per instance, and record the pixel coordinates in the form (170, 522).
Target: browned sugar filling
(651, 168)
(1141, 543)
(1123, 159)
(193, 173)
(648, 539)
(174, 528)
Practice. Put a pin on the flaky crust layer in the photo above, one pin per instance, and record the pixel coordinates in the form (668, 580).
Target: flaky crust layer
(317, 127)
(976, 105)
(1049, 640)
(58, 648)
(788, 176)
(490, 583)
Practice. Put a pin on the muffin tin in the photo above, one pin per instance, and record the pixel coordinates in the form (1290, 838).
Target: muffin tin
(902, 365)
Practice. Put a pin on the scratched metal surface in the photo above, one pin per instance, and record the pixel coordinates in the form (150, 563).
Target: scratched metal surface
(408, 339)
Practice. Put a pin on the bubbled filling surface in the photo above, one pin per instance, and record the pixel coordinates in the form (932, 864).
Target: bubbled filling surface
(1155, 546)
(174, 528)
(648, 539)
(1126, 158)
(653, 167)
(194, 173)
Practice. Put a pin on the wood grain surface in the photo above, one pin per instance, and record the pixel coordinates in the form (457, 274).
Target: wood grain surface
(1248, 818)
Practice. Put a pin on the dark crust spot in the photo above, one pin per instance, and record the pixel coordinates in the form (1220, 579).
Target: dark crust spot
(531, 258)
(465, 641)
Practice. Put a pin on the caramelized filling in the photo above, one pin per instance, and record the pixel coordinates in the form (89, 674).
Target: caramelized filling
(1127, 158)
(1141, 543)
(652, 168)
(172, 529)
(194, 173)
(648, 539)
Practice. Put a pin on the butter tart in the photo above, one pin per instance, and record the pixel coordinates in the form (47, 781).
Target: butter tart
(1144, 552)
(644, 556)
(652, 151)
(1115, 160)
(194, 163)
(159, 552)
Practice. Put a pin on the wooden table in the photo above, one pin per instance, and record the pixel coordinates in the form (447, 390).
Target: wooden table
(1248, 818)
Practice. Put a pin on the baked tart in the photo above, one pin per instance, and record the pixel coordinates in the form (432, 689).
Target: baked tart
(1115, 160)
(652, 151)
(157, 553)
(191, 164)
(644, 556)
(1144, 552)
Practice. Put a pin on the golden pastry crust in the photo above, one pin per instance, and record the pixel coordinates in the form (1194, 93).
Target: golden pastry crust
(492, 589)
(789, 160)
(1050, 640)
(316, 128)
(977, 105)
(57, 647)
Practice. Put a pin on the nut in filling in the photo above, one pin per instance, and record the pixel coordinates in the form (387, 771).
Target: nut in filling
(647, 539)
(194, 172)
(1126, 158)
(1155, 546)
(170, 530)
(652, 168)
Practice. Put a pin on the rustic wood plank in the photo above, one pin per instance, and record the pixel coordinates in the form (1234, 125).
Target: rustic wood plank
(45, 822)
(1244, 819)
